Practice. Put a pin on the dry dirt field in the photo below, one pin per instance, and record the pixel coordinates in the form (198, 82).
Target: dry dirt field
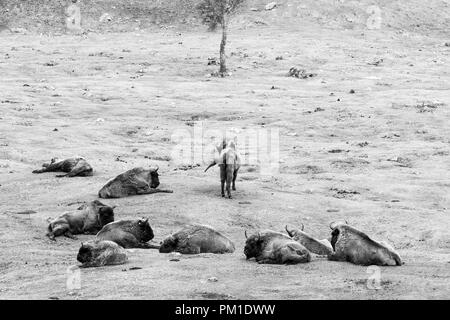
(378, 158)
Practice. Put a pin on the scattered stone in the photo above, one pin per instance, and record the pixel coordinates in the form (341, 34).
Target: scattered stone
(213, 279)
(337, 151)
(187, 167)
(244, 202)
(300, 73)
(212, 61)
(279, 58)
(19, 30)
(270, 6)
(376, 62)
(402, 162)
(55, 129)
(341, 193)
(319, 109)
(352, 91)
(105, 17)
(363, 144)
(50, 64)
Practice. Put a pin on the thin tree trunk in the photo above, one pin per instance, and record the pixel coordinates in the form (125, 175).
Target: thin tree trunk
(223, 43)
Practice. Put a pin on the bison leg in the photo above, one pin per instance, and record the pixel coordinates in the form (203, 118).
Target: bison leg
(52, 167)
(267, 261)
(69, 235)
(129, 241)
(79, 170)
(234, 179)
(57, 231)
(151, 191)
(229, 179)
(190, 249)
(150, 246)
(336, 257)
(61, 175)
(223, 178)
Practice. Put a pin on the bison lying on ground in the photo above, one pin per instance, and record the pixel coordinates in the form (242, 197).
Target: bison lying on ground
(132, 182)
(129, 233)
(101, 253)
(229, 162)
(275, 248)
(88, 219)
(196, 239)
(354, 246)
(73, 166)
(319, 247)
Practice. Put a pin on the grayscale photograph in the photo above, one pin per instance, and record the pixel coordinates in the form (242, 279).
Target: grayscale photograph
(224, 150)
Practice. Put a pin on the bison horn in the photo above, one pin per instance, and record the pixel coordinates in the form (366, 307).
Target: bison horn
(259, 236)
(246, 236)
(157, 168)
(346, 222)
(303, 227)
(331, 226)
(289, 232)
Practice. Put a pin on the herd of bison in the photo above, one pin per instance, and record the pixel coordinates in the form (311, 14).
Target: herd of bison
(113, 237)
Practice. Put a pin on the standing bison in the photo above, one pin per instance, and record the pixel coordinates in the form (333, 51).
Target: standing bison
(354, 246)
(128, 233)
(74, 167)
(196, 239)
(275, 248)
(136, 181)
(88, 219)
(229, 162)
(319, 247)
(101, 253)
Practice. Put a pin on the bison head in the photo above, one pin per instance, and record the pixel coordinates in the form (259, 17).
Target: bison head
(84, 254)
(169, 245)
(145, 232)
(154, 178)
(253, 245)
(105, 215)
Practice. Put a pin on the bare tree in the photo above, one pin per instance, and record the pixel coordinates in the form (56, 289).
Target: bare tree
(219, 12)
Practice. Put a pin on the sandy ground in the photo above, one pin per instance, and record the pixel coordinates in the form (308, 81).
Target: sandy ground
(374, 158)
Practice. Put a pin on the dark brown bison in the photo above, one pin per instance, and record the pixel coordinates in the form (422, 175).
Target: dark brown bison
(352, 245)
(196, 239)
(275, 248)
(129, 233)
(229, 162)
(75, 167)
(319, 247)
(88, 219)
(97, 253)
(132, 182)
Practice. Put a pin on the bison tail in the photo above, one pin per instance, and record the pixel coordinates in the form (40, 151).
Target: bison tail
(211, 165)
